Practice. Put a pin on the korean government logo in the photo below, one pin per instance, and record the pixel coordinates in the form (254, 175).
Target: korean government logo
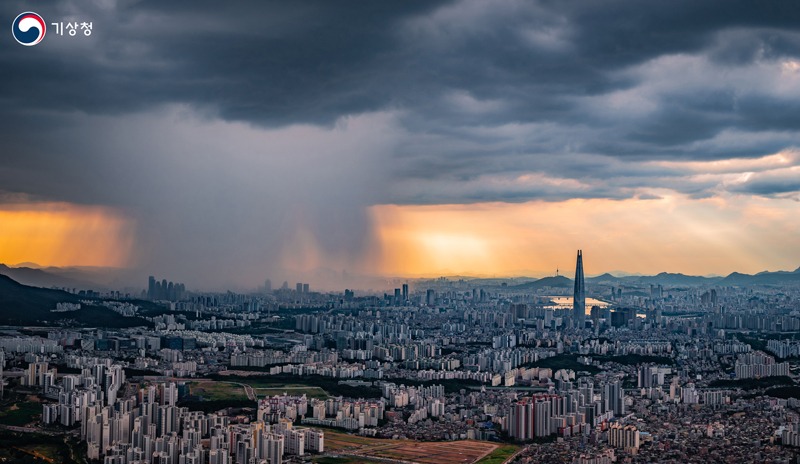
(28, 28)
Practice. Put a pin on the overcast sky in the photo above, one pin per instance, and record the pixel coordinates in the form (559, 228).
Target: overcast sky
(226, 142)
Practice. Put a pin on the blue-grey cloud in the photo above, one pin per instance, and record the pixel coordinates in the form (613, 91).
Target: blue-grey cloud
(473, 100)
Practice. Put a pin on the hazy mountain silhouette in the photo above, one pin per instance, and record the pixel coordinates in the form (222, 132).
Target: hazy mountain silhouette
(52, 277)
(762, 278)
(26, 305)
(668, 279)
(555, 281)
(105, 278)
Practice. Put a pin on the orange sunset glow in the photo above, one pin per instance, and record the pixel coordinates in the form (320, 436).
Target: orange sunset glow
(672, 234)
(60, 234)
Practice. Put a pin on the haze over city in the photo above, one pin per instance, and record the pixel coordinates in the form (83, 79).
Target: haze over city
(223, 146)
(428, 232)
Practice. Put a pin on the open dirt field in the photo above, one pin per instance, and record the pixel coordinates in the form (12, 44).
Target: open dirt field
(463, 451)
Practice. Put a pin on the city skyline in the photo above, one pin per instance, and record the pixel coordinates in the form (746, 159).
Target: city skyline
(324, 281)
(330, 279)
(415, 139)
(654, 371)
(426, 231)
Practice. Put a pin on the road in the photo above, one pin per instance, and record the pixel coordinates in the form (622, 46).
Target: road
(248, 390)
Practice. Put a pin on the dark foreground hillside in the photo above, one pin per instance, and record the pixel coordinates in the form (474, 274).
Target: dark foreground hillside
(24, 305)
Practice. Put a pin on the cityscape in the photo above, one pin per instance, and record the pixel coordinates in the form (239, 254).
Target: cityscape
(417, 232)
(664, 368)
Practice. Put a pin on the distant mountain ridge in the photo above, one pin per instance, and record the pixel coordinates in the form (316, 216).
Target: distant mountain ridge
(673, 280)
(76, 277)
(554, 282)
(26, 305)
(39, 277)
(107, 278)
(762, 278)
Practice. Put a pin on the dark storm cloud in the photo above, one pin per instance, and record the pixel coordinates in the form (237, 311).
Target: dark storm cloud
(158, 112)
(740, 46)
(268, 62)
(277, 63)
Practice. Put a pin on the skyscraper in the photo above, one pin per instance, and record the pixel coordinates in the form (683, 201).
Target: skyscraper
(430, 297)
(579, 295)
(614, 398)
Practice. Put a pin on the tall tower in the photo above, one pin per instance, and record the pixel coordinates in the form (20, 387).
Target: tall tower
(579, 295)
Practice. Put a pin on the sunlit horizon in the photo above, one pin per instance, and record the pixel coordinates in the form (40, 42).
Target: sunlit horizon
(672, 233)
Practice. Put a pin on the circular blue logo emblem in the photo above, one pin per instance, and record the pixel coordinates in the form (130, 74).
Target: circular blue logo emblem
(28, 28)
